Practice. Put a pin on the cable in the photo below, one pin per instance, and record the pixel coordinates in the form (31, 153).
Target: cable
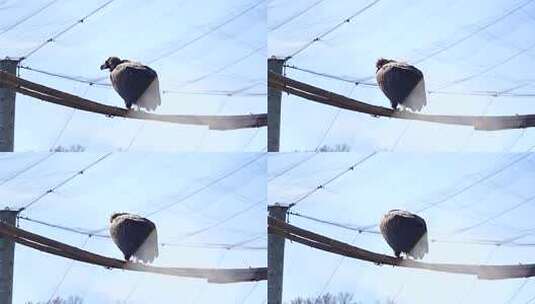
(509, 242)
(71, 264)
(517, 291)
(489, 219)
(223, 68)
(318, 38)
(488, 69)
(29, 167)
(67, 77)
(471, 34)
(476, 182)
(54, 188)
(210, 184)
(189, 42)
(296, 15)
(362, 83)
(222, 221)
(205, 245)
(293, 166)
(26, 18)
(56, 36)
(321, 186)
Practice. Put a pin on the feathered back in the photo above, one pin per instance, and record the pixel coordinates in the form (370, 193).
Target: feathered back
(135, 236)
(405, 233)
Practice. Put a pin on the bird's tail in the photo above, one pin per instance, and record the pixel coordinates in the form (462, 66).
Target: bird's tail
(421, 248)
(417, 99)
(148, 251)
(150, 99)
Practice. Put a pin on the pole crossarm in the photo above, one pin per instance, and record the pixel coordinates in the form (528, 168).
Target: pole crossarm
(212, 275)
(484, 123)
(214, 122)
(311, 239)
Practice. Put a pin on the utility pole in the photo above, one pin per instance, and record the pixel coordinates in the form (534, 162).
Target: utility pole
(7, 257)
(7, 108)
(274, 107)
(276, 257)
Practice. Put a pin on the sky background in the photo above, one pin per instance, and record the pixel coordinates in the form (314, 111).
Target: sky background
(461, 46)
(497, 208)
(231, 57)
(140, 183)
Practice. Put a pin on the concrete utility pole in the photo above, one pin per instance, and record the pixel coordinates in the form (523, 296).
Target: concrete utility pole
(276, 257)
(7, 108)
(7, 257)
(274, 107)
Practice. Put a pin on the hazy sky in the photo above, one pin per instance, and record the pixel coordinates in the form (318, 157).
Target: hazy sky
(141, 183)
(497, 208)
(488, 46)
(233, 56)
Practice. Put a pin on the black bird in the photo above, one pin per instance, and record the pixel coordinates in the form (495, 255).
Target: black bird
(405, 233)
(402, 83)
(135, 236)
(136, 83)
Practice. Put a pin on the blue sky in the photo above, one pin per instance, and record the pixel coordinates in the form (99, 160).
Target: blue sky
(141, 183)
(498, 56)
(143, 31)
(490, 209)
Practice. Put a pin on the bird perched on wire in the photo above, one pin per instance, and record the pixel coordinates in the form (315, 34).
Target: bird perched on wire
(402, 83)
(405, 233)
(135, 236)
(136, 83)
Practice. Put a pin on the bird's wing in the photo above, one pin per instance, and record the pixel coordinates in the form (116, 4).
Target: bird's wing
(131, 80)
(397, 80)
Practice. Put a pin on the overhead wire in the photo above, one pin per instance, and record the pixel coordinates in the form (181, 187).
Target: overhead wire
(70, 27)
(332, 179)
(27, 17)
(241, 245)
(26, 169)
(338, 25)
(295, 16)
(64, 182)
(206, 33)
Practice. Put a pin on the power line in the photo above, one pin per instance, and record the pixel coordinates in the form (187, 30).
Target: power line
(70, 178)
(84, 80)
(189, 42)
(296, 15)
(321, 186)
(488, 69)
(27, 168)
(210, 184)
(319, 37)
(509, 242)
(361, 82)
(241, 245)
(56, 36)
(223, 68)
(473, 33)
(476, 182)
(293, 166)
(222, 221)
(26, 18)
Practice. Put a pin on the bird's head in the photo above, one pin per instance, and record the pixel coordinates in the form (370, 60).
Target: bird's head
(114, 215)
(111, 63)
(382, 61)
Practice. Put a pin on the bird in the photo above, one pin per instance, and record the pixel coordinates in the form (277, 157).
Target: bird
(135, 236)
(136, 83)
(405, 233)
(402, 83)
